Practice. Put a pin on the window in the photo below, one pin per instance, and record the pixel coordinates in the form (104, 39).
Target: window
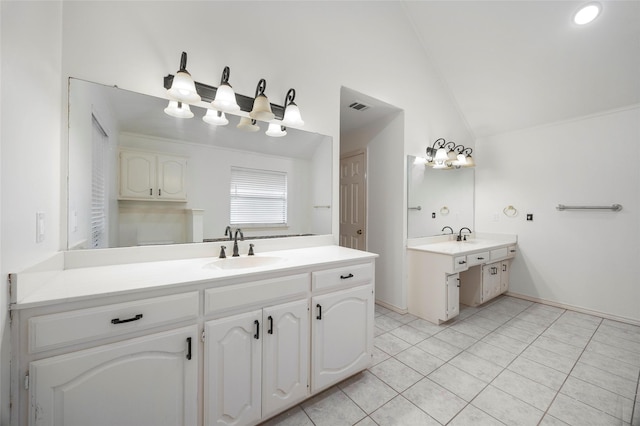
(258, 197)
(100, 144)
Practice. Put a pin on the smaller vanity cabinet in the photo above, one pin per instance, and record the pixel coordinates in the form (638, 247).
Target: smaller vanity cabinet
(439, 281)
(152, 176)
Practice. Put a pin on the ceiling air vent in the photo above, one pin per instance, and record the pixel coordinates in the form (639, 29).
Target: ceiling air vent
(358, 106)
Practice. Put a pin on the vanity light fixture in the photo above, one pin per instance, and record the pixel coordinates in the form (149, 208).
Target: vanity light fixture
(217, 118)
(261, 107)
(248, 125)
(587, 13)
(183, 88)
(276, 130)
(178, 109)
(292, 115)
(225, 99)
(448, 155)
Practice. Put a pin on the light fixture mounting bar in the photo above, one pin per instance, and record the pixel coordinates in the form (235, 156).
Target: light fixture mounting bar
(208, 94)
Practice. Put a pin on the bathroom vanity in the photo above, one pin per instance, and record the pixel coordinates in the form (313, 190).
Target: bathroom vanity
(444, 273)
(142, 336)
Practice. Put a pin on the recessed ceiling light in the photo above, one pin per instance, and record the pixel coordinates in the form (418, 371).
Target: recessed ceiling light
(587, 13)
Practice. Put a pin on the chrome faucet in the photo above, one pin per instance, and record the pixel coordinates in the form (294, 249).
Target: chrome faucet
(227, 231)
(235, 242)
(459, 238)
(450, 229)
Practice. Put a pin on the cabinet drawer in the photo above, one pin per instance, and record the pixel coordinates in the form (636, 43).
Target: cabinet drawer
(237, 295)
(57, 330)
(500, 253)
(347, 275)
(478, 258)
(459, 263)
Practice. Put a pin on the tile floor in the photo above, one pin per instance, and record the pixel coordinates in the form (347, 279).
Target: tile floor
(511, 362)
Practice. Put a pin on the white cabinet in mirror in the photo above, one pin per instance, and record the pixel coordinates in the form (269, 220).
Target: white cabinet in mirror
(105, 121)
(438, 198)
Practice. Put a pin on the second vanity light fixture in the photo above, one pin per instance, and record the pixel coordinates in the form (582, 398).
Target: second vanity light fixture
(183, 90)
(448, 155)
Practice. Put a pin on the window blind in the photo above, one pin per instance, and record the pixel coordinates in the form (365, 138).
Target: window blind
(98, 186)
(258, 197)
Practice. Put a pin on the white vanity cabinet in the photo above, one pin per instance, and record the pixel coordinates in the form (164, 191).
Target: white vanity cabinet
(256, 363)
(152, 176)
(151, 380)
(445, 274)
(234, 349)
(86, 366)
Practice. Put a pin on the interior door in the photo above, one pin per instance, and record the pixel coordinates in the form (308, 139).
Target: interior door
(353, 201)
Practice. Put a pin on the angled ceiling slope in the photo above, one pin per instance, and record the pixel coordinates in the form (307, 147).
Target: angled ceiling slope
(517, 64)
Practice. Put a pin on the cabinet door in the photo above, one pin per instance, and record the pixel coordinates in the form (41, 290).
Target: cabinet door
(152, 380)
(490, 281)
(172, 181)
(285, 352)
(137, 175)
(504, 276)
(232, 369)
(453, 295)
(342, 335)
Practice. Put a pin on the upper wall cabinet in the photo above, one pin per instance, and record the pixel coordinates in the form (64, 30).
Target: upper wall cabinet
(151, 176)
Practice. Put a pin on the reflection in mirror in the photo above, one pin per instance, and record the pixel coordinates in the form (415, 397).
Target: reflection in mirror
(438, 198)
(138, 176)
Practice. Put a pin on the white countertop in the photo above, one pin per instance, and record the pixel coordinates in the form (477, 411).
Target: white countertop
(47, 287)
(460, 248)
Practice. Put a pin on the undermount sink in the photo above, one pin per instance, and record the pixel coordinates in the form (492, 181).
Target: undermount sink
(244, 262)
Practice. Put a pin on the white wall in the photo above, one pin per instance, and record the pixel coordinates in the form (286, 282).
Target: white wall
(31, 177)
(586, 259)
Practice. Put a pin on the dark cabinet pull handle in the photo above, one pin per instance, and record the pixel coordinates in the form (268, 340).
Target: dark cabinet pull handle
(257, 335)
(119, 321)
(462, 262)
(319, 317)
(150, 191)
(458, 282)
(344, 277)
(189, 348)
(504, 268)
(512, 250)
(480, 258)
(159, 192)
(270, 324)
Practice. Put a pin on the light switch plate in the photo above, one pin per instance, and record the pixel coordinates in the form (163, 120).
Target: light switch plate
(39, 227)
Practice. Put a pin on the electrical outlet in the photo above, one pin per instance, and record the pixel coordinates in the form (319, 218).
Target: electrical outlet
(530, 216)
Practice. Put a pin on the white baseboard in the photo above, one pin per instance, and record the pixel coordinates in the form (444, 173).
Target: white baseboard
(392, 307)
(575, 308)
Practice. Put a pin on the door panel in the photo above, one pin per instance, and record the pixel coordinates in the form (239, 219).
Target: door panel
(353, 202)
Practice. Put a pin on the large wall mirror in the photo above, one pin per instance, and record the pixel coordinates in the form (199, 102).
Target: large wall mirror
(438, 198)
(191, 160)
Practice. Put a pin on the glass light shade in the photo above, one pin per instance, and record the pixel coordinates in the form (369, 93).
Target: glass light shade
(441, 155)
(587, 14)
(442, 165)
(261, 109)
(183, 88)
(469, 162)
(246, 125)
(292, 116)
(177, 109)
(461, 160)
(212, 117)
(275, 130)
(452, 155)
(225, 99)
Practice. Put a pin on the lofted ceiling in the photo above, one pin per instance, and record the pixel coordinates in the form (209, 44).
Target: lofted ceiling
(516, 64)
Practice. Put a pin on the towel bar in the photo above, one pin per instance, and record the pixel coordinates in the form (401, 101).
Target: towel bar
(613, 207)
